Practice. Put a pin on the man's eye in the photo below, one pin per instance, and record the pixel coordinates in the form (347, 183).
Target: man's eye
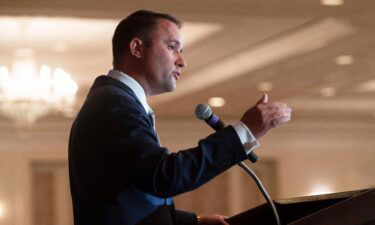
(172, 47)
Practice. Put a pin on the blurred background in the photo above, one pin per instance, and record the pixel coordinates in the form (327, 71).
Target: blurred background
(318, 56)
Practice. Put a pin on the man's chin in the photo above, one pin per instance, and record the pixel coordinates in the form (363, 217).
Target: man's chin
(171, 89)
(168, 89)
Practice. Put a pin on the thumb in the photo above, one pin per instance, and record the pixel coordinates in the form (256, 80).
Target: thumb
(263, 100)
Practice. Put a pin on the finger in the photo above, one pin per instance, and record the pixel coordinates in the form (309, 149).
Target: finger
(284, 120)
(263, 100)
(279, 121)
(279, 114)
(279, 104)
(275, 108)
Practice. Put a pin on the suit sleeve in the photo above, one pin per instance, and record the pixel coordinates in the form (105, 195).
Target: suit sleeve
(152, 168)
(185, 218)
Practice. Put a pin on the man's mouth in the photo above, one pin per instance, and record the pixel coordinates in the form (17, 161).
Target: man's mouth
(176, 75)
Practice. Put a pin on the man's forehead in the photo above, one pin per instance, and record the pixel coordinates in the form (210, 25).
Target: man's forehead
(170, 29)
(167, 24)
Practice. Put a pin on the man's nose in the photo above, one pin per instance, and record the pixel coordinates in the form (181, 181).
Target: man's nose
(181, 62)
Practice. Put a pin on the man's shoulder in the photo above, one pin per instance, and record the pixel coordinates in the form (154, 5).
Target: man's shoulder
(105, 96)
(106, 86)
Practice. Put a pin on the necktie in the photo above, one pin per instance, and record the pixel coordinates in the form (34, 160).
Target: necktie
(152, 118)
(151, 115)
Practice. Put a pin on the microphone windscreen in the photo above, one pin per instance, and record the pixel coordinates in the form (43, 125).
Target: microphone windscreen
(203, 111)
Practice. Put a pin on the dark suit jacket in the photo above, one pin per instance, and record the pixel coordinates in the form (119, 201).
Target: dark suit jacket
(120, 175)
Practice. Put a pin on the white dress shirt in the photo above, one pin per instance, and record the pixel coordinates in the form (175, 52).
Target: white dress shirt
(247, 138)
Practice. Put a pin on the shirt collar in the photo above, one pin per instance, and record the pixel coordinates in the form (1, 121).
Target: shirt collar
(133, 85)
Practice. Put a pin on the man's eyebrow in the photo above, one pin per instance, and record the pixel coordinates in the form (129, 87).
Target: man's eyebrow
(174, 41)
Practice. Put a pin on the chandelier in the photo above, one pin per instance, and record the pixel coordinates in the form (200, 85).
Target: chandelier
(27, 95)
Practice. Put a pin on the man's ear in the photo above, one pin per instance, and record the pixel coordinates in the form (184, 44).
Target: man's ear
(136, 47)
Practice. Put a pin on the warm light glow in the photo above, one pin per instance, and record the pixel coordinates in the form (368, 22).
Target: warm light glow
(368, 86)
(321, 189)
(332, 2)
(344, 60)
(45, 72)
(216, 102)
(2, 210)
(265, 86)
(48, 31)
(4, 71)
(60, 47)
(194, 32)
(328, 92)
(27, 95)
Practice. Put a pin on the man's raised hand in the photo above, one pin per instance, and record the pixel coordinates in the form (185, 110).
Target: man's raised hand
(265, 115)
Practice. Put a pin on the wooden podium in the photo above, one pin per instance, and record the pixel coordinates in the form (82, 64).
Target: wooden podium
(344, 208)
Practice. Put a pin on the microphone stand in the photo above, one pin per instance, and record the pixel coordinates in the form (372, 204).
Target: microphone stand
(262, 189)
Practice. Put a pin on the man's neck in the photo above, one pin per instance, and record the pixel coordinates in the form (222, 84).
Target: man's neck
(136, 75)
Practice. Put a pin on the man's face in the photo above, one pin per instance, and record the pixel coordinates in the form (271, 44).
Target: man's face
(163, 59)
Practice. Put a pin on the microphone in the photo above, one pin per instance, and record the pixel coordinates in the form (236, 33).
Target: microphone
(204, 112)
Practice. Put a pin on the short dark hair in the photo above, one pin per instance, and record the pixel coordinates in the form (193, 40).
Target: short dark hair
(138, 24)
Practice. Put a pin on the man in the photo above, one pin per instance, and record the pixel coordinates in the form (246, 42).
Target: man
(119, 173)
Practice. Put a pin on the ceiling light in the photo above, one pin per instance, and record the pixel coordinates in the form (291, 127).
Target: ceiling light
(344, 60)
(265, 86)
(332, 2)
(328, 92)
(368, 86)
(216, 102)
